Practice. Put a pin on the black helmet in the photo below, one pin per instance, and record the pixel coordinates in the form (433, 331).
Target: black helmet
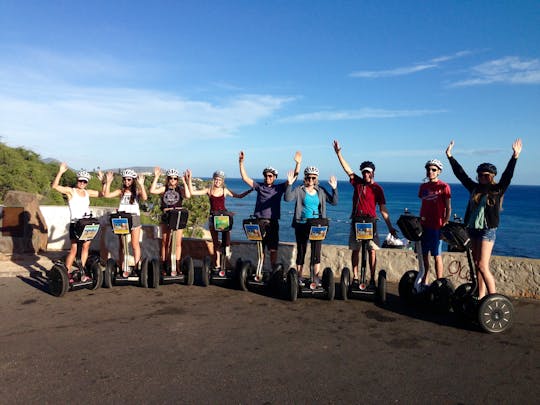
(367, 165)
(486, 167)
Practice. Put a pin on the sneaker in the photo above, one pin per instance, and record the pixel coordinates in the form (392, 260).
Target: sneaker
(228, 252)
(70, 278)
(125, 274)
(371, 284)
(301, 282)
(85, 278)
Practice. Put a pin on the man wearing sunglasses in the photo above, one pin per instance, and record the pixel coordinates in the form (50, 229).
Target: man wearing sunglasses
(268, 203)
(367, 195)
(435, 213)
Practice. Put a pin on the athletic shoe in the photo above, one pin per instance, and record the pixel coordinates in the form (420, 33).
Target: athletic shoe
(85, 278)
(371, 284)
(301, 282)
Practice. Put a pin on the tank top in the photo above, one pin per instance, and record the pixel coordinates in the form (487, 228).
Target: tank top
(78, 206)
(217, 203)
(172, 198)
(126, 206)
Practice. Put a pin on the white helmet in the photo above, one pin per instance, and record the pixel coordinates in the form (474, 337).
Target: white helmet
(83, 175)
(311, 170)
(129, 174)
(220, 174)
(270, 169)
(172, 173)
(434, 162)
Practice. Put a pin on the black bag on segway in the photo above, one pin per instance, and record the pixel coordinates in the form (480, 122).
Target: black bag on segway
(410, 227)
(86, 228)
(456, 235)
(221, 221)
(318, 228)
(255, 228)
(177, 218)
(121, 222)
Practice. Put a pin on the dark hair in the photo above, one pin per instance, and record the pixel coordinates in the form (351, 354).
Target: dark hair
(367, 163)
(486, 167)
(133, 188)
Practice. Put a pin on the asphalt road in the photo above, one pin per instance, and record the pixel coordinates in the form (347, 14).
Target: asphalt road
(180, 344)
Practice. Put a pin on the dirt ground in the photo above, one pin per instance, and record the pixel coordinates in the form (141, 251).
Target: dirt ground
(180, 344)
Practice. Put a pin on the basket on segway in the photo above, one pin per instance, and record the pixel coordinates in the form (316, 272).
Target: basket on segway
(256, 276)
(364, 231)
(312, 286)
(494, 313)
(176, 270)
(90, 275)
(146, 275)
(221, 221)
(437, 295)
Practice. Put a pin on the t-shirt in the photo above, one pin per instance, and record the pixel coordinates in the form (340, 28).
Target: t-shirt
(172, 198)
(366, 196)
(268, 204)
(126, 206)
(433, 196)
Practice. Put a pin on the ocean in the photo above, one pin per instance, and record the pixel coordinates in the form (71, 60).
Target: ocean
(518, 234)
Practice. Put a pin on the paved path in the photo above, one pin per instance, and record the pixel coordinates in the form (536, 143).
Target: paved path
(180, 344)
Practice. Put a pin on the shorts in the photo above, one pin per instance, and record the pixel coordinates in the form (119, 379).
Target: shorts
(135, 221)
(431, 242)
(72, 233)
(489, 234)
(357, 244)
(271, 237)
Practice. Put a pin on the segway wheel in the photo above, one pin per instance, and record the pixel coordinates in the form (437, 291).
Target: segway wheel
(406, 286)
(243, 275)
(58, 280)
(205, 271)
(109, 273)
(328, 283)
(292, 285)
(345, 283)
(462, 301)
(381, 287)
(441, 292)
(143, 276)
(153, 273)
(97, 274)
(495, 313)
(189, 270)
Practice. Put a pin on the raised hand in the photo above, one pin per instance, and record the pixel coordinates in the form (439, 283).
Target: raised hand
(157, 171)
(516, 147)
(337, 148)
(449, 149)
(333, 182)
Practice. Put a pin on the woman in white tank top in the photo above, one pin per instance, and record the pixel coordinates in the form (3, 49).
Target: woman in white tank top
(130, 194)
(79, 205)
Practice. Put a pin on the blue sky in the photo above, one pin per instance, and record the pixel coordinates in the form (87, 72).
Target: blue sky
(188, 84)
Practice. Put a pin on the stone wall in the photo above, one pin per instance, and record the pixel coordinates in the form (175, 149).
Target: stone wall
(517, 277)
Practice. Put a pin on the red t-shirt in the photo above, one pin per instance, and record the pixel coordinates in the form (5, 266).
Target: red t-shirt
(366, 196)
(433, 196)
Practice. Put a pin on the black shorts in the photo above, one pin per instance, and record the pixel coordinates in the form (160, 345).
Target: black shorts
(271, 238)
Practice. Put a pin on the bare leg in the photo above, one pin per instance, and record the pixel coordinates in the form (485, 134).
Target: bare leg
(355, 257)
(483, 268)
(70, 258)
(372, 263)
(439, 270)
(84, 252)
(426, 268)
(217, 248)
(135, 233)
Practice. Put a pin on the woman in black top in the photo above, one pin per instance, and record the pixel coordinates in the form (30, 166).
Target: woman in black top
(483, 210)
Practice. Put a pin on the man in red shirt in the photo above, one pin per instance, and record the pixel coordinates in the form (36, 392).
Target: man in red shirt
(367, 195)
(435, 213)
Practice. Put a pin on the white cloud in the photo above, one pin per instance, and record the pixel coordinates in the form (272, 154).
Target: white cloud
(509, 70)
(41, 108)
(363, 113)
(407, 70)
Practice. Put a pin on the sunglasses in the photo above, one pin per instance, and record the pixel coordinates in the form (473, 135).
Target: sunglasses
(432, 169)
(127, 179)
(172, 178)
(82, 181)
(311, 177)
(269, 175)
(484, 174)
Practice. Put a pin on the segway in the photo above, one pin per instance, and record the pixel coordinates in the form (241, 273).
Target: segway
(222, 222)
(255, 276)
(59, 283)
(176, 219)
(438, 295)
(312, 287)
(494, 313)
(361, 289)
(147, 275)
